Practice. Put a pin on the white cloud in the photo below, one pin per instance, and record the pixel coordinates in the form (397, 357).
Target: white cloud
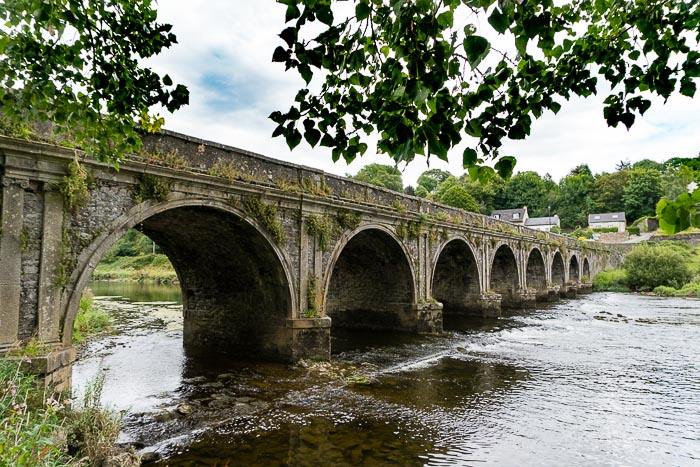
(224, 57)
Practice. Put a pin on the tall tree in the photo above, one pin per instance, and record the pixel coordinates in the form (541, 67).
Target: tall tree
(642, 193)
(526, 189)
(574, 202)
(430, 179)
(386, 176)
(486, 194)
(608, 190)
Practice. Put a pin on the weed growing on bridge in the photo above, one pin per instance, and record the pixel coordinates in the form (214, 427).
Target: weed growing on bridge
(229, 171)
(320, 227)
(14, 129)
(171, 158)
(347, 219)
(151, 187)
(308, 186)
(399, 206)
(311, 297)
(267, 216)
(24, 239)
(75, 186)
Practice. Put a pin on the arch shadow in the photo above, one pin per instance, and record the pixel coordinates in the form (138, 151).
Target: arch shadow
(504, 278)
(370, 282)
(455, 279)
(236, 282)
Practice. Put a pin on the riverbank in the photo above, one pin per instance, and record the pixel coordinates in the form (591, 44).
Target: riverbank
(667, 269)
(150, 267)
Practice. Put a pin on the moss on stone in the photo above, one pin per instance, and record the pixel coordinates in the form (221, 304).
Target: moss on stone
(75, 186)
(320, 227)
(347, 219)
(267, 216)
(151, 187)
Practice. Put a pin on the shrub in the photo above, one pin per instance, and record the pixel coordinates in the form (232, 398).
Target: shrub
(28, 426)
(651, 265)
(89, 320)
(611, 280)
(92, 428)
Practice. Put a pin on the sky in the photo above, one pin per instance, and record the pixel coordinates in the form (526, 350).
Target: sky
(224, 55)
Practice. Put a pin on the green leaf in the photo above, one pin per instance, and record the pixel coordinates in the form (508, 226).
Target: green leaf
(505, 166)
(476, 48)
(499, 21)
(292, 13)
(362, 11)
(280, 54)
(469, 158)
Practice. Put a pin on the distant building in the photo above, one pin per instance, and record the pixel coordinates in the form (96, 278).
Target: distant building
(608, 219)
(542, 223)
(515, 216)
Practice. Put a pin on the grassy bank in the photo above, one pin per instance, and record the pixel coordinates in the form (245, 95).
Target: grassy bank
(38, 430)
(665, 269)
(148, 267)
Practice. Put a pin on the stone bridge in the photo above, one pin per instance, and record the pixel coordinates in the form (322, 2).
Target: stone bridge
(269, 255)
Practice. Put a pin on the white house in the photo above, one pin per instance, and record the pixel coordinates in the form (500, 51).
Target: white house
(608, 219)
(514, 216)
(542, 223)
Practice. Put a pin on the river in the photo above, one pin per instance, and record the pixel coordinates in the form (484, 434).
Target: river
(605, 379)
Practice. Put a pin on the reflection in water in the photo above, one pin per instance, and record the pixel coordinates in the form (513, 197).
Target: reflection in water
(604, 379)
(138, 292)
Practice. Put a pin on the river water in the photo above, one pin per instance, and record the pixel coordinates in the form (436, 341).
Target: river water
(605, 379)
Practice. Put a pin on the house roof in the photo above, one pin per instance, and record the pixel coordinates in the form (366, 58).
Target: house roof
(554, 220)
(507, 214)
(606, 217)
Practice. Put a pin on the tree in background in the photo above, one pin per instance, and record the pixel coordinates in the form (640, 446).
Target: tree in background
(484, 194)
(430, 179)
(649, 165)
(458, 197)
(386, 176)
(642, 193)
(574, 201)
(608, 190)
(527, 189)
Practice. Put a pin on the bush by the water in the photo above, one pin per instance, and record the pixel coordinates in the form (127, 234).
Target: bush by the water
(664, 264)
(611, 280)
(89, 320)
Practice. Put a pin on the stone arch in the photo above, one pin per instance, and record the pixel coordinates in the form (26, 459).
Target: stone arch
(455, 278)
(558, 271)
(573, 269)
(586, 270)
(504, 277)
(535, 271)
(370, 282)
(236, 283)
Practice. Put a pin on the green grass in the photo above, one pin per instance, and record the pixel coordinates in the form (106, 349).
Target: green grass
(143, 268)
(89, 320)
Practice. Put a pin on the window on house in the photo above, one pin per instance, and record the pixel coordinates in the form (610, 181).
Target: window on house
(516, 215)
(614, 216)
(496, 216)
(596, 217)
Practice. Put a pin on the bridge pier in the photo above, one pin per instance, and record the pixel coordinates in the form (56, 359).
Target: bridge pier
(526, 298)
(585, 288)
(490, 305)
(549, 294)
(308, 338)
(568, 291)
